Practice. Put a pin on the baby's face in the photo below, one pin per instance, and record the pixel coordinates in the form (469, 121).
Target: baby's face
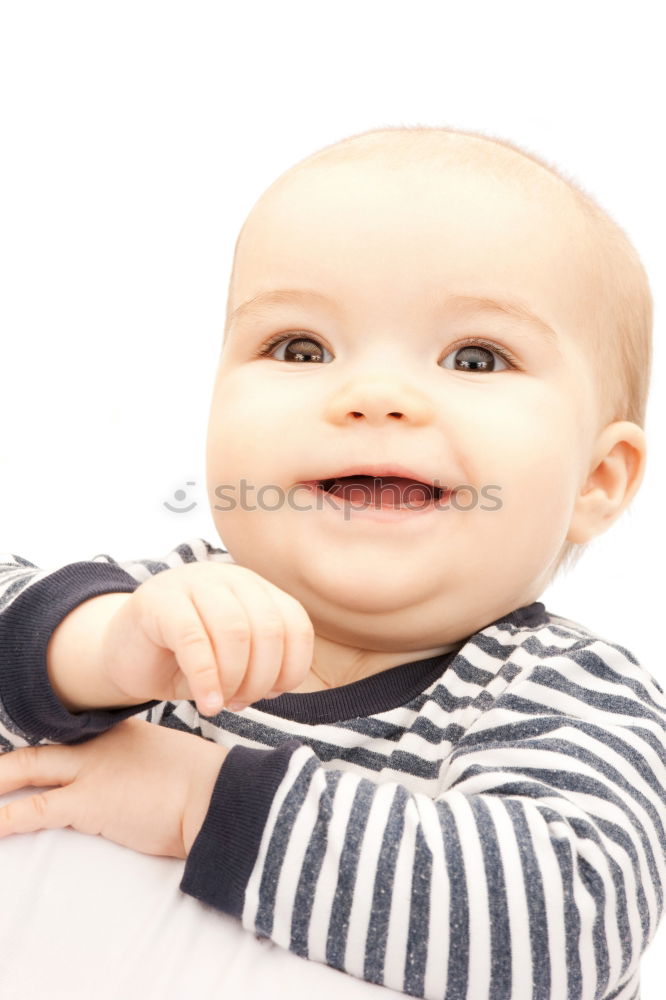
(390, 269)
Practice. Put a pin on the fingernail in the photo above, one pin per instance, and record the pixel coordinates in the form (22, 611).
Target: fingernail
(237, 706)
(273, 694)
(212, 703)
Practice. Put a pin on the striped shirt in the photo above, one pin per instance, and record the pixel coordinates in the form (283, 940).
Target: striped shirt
(486, 823)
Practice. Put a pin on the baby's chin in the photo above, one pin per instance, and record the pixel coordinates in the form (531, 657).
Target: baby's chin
(376, 592)
(360, 585)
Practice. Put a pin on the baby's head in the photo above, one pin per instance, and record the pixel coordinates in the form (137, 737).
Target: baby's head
(406, 245)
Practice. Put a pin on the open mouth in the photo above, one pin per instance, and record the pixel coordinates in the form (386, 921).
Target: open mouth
(383, 491)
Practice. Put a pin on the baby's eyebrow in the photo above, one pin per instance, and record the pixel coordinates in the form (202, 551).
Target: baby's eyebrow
(467, 303)
(508, 307)
(279, 297)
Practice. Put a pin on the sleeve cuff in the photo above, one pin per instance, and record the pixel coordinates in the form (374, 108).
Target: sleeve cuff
(225, 850)
(31, 707)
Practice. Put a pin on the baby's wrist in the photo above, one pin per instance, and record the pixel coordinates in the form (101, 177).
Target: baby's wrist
(213, 756)
(73, 657)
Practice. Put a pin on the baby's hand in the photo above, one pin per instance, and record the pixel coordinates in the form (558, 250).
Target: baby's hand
(210, 633)
(144, 786)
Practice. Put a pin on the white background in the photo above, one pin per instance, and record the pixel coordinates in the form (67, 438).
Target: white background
(135, 138)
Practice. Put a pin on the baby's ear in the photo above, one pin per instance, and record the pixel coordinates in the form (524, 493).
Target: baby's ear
(616, 472)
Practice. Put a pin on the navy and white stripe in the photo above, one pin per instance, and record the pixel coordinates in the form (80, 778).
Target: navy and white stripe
(490, 823)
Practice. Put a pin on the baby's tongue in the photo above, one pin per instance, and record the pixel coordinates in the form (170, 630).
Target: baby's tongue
(384, 491)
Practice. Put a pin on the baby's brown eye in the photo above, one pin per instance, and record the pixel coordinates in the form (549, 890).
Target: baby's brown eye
(300, 350)
(297, 349)
(475, 359)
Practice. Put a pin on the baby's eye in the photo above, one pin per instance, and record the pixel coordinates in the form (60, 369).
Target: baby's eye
(478, 357)
(297, 349)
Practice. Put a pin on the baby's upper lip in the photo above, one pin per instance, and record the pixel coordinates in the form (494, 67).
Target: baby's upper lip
(382, 470)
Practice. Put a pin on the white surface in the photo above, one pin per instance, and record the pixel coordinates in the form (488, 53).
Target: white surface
(82, 917)
(136, 137)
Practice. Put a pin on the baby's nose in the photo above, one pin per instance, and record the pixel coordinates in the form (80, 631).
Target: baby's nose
(379, 400)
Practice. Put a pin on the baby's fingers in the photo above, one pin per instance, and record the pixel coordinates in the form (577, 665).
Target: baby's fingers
(298, 641)
(183, 625)
(247, 632)
(45, 810)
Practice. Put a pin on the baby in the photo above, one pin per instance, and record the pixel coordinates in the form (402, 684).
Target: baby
(418, 774)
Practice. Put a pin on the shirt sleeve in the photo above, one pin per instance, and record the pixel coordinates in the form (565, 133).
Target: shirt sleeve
(33, 602)
(537, 871)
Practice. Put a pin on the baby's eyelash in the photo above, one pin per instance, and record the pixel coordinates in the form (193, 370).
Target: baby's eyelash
(489, 345)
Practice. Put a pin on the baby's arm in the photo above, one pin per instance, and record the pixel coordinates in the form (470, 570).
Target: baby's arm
(538, 869)
(33, 603)
(202, 631)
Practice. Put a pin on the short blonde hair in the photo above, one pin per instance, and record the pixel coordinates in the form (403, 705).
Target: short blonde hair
(621, 324)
